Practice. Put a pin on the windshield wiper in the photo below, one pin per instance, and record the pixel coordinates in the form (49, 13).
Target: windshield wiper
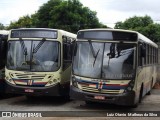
(35, 49)
(96, 57)
(93, 52)
(23, 48)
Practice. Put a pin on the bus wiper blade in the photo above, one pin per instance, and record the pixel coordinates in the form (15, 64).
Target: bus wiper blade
(23, 48)
(93, 52)
(35, 49)
(96, 57)
(91, 46)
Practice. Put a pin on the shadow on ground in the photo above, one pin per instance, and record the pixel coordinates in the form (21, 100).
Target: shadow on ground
(41, 100)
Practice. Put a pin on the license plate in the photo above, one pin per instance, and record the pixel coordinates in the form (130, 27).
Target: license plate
(99, 97)
(29, 90)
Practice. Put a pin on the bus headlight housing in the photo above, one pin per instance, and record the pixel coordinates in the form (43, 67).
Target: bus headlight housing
(130, 86)
(52, 81)
(9, 79)
(74, 82)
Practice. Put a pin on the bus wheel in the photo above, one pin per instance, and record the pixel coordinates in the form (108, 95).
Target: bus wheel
(149, 92)
(141, 94)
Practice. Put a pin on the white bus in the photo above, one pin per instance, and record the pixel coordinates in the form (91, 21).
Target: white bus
(113, 66)
(39, 61)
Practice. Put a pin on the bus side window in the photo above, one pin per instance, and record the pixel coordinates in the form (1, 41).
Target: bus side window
(141, 54)
(145, 52)
(67, 55)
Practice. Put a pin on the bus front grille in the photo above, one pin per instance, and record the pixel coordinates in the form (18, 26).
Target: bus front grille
(29, 76)
(86, 88)
(33, 80)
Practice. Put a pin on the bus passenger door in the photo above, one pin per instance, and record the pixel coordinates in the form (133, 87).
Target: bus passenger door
(67, 60)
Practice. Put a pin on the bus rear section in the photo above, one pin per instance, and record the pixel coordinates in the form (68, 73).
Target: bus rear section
(105, 67)
(35, 62)
(3, 41)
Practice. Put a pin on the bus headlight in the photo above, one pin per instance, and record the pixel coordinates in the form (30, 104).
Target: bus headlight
(10, 80)
(130, 86)
(52, 81)
(74, 82)
(7, 78)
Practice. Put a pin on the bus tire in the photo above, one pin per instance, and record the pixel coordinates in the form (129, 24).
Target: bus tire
(149, 92)
(141, 94)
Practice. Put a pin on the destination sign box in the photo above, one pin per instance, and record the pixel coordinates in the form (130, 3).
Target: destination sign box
(34, 34)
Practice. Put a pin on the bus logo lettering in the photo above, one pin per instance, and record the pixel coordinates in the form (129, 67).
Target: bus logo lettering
(100, 85)
(30, 82)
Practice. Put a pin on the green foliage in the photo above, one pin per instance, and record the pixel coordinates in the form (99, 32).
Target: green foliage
(23, 22)
(44, 15)
(134, 22)
(68, 15)
(2, 26)
(152, 31)
(144, 25)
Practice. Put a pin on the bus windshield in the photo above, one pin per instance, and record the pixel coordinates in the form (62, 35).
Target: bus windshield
(33, 55)
(112, 61)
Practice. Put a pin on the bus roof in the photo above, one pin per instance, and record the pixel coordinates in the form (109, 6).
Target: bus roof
(147, 40)
(62, 31)
(4, 32)
(140, 36)
(35, 29)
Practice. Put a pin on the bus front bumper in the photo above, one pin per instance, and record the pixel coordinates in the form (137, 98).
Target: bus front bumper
(56, 90)
(118, 99)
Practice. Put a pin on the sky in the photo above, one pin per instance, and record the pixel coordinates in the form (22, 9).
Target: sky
(108, 11)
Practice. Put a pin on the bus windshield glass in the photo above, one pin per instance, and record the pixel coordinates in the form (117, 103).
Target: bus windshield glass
(33, 55)
(112, 61)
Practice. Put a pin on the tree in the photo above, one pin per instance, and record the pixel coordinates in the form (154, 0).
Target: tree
(23, 22)
(2, 26)
(144, 25)
(152, 31)
(134, 22)
(69, 15)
